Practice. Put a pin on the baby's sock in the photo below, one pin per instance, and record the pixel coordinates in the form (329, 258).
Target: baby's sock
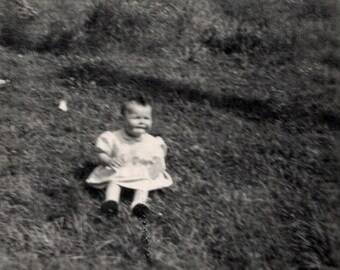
(112, 194)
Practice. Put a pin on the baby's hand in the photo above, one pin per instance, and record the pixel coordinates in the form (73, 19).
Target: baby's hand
(115, 163)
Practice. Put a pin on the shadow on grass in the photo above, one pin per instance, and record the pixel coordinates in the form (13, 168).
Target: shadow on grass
(81, 173)
(106, 76)
(250, 109)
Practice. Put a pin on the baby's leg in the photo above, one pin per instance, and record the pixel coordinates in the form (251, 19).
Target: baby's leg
(141, 196)
(139, 204)
(112, 195)
(112, 192)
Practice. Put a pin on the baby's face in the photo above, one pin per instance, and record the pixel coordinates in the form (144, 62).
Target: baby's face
(137, 119)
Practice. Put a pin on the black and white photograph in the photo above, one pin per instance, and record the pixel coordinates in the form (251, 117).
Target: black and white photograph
(169, 134)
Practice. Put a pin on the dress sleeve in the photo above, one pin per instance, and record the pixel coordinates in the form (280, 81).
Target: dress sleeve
(105, 143)
(162, 145)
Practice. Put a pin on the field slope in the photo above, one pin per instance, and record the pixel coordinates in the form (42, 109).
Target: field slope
(245, 94)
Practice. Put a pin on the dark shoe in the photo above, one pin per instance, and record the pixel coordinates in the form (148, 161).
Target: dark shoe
(109, 208)
(140, 210)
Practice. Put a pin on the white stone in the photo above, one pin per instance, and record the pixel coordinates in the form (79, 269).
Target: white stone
(63, 105)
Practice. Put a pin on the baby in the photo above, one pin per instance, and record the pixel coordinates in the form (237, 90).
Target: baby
(130, 158)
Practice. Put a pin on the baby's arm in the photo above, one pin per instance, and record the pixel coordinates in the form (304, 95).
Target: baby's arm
(106, 160)
(104, 149)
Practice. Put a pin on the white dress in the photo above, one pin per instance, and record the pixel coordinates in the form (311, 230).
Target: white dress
(137, 156)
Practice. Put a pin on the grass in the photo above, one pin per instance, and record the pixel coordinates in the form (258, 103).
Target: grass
(246, 96)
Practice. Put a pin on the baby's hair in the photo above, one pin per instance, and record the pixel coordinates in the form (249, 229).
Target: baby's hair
(140, 100)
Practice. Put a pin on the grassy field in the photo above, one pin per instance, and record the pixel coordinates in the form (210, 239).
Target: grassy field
(246, 96)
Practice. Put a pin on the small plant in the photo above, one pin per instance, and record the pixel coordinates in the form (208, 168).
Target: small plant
(14, 27)
(58, 38)
(115, 22)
